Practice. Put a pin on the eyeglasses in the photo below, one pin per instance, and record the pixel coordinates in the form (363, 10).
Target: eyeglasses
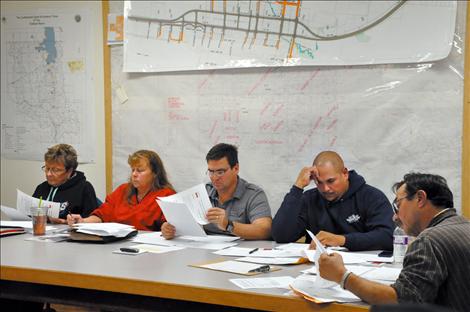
(396, 203)
(218, 173)
(54, 171)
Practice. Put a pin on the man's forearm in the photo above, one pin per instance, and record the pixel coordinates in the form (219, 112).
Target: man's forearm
(371, 292)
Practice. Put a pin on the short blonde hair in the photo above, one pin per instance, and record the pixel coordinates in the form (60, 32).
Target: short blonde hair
(63, 153)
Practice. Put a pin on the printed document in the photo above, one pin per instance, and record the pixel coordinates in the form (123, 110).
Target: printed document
(24, 202)
(186, 210)
(320, 249)
(263, 282)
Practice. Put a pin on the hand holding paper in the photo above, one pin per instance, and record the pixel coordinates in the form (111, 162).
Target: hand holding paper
(319, 281)
(186, 210)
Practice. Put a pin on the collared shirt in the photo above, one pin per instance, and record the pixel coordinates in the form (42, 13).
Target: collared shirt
(436, 268)
(249, 202)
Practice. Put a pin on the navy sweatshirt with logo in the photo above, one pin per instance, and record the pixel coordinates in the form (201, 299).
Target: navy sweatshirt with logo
(363, 215)
(77, 195)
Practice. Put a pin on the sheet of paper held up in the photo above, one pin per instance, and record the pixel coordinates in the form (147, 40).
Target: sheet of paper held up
(320, 249)
(14, 214)
(24, 202)
(186, 211)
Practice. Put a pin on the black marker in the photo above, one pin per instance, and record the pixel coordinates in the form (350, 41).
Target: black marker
(129, 249)
(253, 250)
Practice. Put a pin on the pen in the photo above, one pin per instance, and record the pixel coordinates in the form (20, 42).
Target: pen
(262, 269)
(252, 251)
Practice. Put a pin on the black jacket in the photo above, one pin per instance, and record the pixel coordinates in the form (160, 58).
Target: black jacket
(77, 194)
(363, 215)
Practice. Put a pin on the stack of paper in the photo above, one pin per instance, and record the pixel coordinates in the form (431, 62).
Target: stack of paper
(101, 232)
(104, 229)
(307, 288)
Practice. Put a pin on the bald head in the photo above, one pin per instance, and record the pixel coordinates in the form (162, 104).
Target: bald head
(331, 158)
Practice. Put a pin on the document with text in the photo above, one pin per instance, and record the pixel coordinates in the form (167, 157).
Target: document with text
(186, 210)
(24, 202)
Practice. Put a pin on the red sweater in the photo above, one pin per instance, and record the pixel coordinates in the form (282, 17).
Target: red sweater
(145, 215)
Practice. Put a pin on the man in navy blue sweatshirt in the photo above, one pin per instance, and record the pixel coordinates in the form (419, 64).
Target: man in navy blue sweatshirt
(341, 211)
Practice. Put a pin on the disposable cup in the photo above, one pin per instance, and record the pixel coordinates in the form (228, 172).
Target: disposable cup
(39, 216)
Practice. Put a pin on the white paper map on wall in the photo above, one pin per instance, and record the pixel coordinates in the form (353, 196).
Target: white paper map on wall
(190, 35)
(47, 91)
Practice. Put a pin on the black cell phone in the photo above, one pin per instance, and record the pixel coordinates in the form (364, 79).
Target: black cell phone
(129, 249)
(386, 253)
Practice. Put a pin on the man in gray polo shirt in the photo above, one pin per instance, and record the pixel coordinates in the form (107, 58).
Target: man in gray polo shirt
(239, 208)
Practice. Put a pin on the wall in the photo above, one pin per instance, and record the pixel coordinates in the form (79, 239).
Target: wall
(26, 175)
(386, 120)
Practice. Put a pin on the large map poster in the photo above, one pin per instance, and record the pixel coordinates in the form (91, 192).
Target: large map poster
(47, 91)
(189, 35)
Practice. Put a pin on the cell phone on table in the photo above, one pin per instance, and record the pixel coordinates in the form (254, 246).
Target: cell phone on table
(386, 253)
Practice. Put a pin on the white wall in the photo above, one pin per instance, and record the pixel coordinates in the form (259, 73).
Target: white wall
(26, 175)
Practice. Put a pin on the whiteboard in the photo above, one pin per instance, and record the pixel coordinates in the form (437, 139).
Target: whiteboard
(188, 35)
(385, 120)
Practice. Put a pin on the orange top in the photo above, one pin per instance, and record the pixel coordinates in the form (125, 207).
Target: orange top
(145, 215)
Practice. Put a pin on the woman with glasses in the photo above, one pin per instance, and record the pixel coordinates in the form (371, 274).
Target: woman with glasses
(134, 202)
(66, 185)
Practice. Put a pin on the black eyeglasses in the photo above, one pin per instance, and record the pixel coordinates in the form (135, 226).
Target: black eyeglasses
(396, 202)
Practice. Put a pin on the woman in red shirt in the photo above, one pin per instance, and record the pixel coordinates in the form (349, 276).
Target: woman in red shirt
(134, 202)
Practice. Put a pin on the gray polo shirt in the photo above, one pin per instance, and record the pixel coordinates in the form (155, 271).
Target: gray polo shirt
(249, 202)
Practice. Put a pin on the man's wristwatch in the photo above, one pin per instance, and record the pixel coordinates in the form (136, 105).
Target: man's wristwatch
(229, 227)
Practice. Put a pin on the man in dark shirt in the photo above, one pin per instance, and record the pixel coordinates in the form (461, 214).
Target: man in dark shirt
(341, 211)
(436, 267)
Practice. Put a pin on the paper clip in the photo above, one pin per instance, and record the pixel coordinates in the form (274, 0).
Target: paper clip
(262, 269)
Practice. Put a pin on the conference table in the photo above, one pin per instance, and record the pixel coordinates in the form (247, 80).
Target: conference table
(91, 275)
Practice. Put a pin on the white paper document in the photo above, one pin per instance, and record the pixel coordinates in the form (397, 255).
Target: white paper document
(308, 288)
(231, 266)
(211, 242)
(156, 248)
(24, 202)
(263, 282)
(234, 251)
(382, 274)
(14, 214)
(320, 249)
(186, 210)
(293, 247)
(259, 252)
(280, 260)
